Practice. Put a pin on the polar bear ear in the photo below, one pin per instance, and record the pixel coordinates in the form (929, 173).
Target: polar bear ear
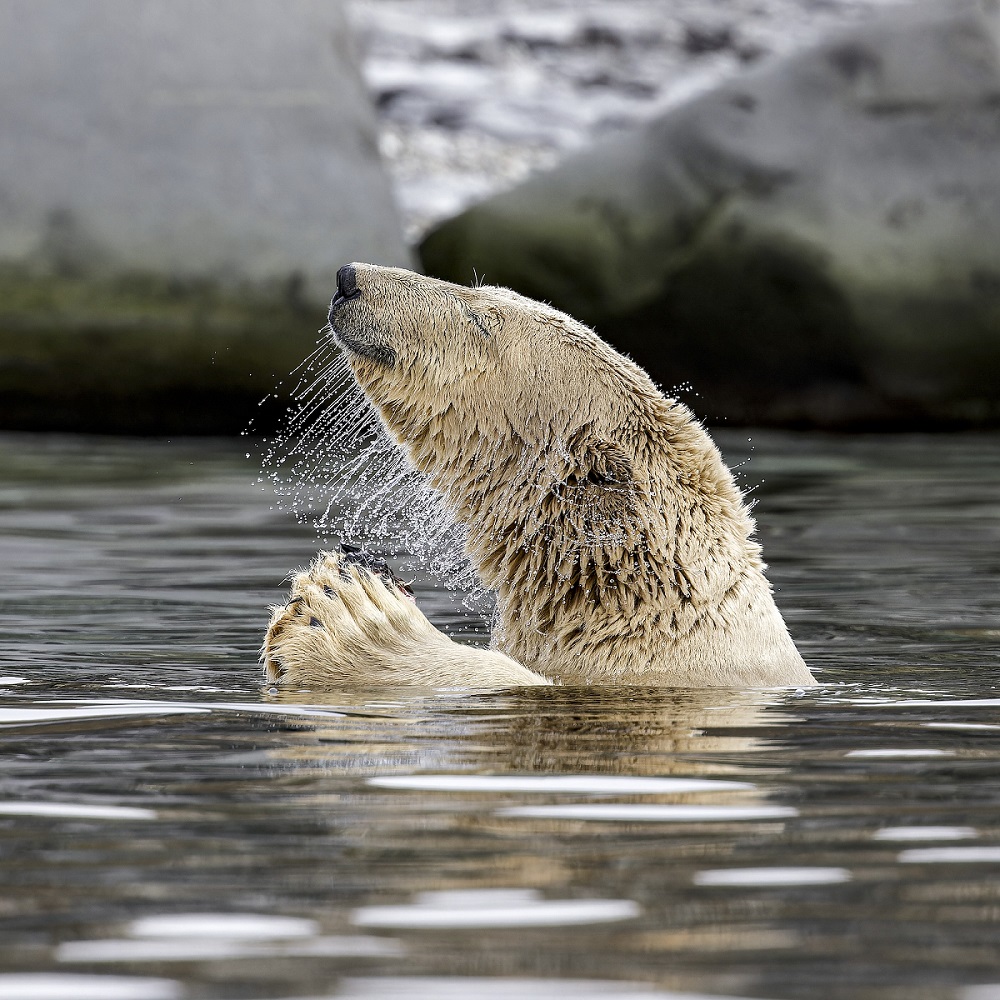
(602, 463)
(489, 319)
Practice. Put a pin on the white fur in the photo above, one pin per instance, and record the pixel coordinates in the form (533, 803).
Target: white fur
(599, 511)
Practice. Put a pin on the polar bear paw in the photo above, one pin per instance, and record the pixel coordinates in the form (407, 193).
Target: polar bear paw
(347, 621)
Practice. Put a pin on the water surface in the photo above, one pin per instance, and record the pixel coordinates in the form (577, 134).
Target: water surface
(168, 828)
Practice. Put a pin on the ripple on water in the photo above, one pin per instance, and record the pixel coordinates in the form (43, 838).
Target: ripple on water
(649, 813)
(478, 908)
(58, 986)
(765, 877)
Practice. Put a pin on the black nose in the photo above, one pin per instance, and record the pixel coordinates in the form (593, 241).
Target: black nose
(347, 287)
(347, 281)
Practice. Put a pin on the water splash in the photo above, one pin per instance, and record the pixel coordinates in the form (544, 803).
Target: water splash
(334, 467)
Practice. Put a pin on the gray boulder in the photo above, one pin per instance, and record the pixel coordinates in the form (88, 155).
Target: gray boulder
(814, 242)
(179, 181)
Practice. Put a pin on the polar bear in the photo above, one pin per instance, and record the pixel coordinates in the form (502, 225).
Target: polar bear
(597, 510)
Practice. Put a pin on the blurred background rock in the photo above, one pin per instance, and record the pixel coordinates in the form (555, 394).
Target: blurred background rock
(790, 204)
(179, 182)
(813, 240)
(473, 95)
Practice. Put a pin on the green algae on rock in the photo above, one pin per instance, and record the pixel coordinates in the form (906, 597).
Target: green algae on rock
(143, 354)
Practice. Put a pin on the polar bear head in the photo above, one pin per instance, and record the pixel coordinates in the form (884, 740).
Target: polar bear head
(469, 380)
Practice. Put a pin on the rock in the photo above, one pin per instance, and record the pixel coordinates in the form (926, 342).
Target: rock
(815, 241)
(179, 182)
(702, 38)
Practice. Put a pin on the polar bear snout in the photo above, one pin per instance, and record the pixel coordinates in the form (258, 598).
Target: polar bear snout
(353, 327)
(347, 288)
(347, 281)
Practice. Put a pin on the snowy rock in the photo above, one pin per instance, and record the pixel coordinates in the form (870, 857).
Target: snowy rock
(815, 241)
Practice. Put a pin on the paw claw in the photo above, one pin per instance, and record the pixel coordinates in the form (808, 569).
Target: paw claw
(345, 621)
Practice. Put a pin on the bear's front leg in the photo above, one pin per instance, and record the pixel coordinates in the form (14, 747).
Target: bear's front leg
(345, 626)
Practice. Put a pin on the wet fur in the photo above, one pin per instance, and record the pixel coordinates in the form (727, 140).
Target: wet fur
(599, 511)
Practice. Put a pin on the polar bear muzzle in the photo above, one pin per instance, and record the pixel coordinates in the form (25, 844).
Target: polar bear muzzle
(347, 326)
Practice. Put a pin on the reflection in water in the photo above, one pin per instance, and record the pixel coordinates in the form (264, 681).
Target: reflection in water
(772, 876)
(641, 733)
(48, 986)
(960, 855)
(925, 833)
(224, 948)
(578, 783)
(168, 829)
(651, 813)
(464, 987)
(70, 810)
(465, 909)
